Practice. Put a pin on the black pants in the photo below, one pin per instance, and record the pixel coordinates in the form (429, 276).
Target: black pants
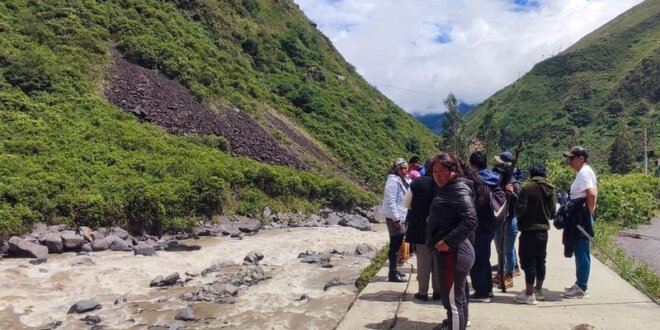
(532, 249)
(481, 272)
(453, 269)
(395, 245)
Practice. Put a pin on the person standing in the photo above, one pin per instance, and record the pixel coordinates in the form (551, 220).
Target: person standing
(395, 213)
(483, 236)
(452, 221)
(536, 206)
(584, 186)
(418, 200)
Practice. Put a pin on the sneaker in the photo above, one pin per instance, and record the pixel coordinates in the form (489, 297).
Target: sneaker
(576, 293)
(421, 296)
(516, 272)
(523, 298)
(539, 295)
(570, 288)
(476, 298)
(468, 323)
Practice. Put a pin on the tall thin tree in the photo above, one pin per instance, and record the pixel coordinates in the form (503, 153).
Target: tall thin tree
(453, 128)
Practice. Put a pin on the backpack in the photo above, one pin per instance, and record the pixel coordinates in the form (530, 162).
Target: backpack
(495, 209)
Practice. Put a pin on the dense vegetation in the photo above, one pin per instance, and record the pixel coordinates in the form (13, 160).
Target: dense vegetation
(584, 94)
(66, 155)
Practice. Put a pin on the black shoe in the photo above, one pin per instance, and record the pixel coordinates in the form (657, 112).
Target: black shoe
(422, 296)
(437, 296)
(400, 273)
(477, 298)
(396, 278)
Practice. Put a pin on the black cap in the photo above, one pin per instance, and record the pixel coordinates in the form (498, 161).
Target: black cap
(577, 151)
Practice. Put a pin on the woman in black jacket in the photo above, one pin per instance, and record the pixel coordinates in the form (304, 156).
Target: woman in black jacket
(452, 221)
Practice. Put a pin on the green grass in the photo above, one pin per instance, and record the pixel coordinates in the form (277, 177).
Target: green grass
(567, 99)
(67, 156)
(374, 267)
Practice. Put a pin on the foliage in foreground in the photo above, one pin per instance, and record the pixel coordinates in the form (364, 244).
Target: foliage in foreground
(370, 271)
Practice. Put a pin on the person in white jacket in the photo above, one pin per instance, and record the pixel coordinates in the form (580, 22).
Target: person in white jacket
(395, 213)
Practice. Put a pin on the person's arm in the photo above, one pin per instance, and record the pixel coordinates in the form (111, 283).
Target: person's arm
(389, 200)
(464, 207)
(591, 199)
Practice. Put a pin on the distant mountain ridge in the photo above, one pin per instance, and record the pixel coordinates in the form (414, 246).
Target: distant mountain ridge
(434, 120)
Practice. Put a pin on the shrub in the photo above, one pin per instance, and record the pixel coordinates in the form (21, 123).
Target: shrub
(32, 70)
(628, 200)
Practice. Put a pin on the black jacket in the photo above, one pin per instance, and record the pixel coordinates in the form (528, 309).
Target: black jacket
(423, 190)
(571, 214)
(453, 217)
(537, 204)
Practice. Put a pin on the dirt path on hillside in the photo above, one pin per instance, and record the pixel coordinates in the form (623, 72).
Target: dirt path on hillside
(643, 244)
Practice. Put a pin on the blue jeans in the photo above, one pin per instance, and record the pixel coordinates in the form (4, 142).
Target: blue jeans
(581, 251)
(510, 258)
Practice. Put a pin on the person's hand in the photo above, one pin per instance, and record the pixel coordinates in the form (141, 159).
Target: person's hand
(397, 224)
(509, 187)
(442, 246)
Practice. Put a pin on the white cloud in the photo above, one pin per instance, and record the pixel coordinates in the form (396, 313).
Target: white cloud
(485, 44)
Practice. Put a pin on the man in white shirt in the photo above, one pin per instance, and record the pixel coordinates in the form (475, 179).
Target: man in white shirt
(584, 186)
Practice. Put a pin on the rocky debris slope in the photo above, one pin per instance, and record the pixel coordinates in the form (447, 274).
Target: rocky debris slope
(155, 98)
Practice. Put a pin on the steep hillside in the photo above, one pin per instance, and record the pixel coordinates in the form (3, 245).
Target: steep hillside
(87, 137)
(581, 95)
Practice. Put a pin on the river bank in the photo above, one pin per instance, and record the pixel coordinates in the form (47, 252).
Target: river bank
(292, 296)
(642, 244)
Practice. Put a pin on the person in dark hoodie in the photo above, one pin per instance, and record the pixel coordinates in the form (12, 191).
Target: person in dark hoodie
(452, 220)
(483, 235)
(537, 204)
(418, 200)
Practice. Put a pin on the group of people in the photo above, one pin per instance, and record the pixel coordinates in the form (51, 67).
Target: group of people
(451, 212)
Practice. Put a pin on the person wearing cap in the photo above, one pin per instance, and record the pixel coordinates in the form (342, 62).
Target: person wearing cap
(512, 187)
(583, 187)
(395, 213)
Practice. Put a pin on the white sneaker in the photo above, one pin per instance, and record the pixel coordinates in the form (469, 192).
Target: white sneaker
(468, 323)
(523, 298)
(539, 295)
(570, 288)
(576, 293)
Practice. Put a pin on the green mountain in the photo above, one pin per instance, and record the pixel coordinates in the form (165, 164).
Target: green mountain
(582, 94)
(152, 114)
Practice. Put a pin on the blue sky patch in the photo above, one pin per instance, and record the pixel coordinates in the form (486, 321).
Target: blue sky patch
(525, 5)
(444, 34)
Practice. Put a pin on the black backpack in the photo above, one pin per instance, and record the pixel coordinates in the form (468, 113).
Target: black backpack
(495, 209)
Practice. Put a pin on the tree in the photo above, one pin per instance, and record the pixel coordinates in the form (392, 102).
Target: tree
(453, 128)
(489, 132)
(621, 151)
(413, 146)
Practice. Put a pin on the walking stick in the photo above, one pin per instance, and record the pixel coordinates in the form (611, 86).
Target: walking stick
(500, 258)
(623, 270)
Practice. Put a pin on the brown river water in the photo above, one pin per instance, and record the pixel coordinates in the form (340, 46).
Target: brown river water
(34, 296)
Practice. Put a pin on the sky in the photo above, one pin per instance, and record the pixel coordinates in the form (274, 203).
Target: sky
(472, 48)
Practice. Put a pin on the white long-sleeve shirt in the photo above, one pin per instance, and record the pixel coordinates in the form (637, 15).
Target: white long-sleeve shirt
(392, 206)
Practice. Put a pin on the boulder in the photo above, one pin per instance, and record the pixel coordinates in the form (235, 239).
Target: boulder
(4, 247)
(177, 325)
(144, 250)
(267, 212)
(71, 240)
(100, 244)
(364, 249)
(119, 232)
(253, 258)
(325, 264)
(118, 244)
(52, 241)
(86, 232)
(21, 248)
(92, 319)
(159, 281)
(217, 267)
(57, 228)
(355, 221)
(248, 225)
(84, 306)
(203, 232)
(156, 281)
(228, 228)
(337, 281)
(185, 314)
(345, 249)
(311, 259)
(332, 219)
(97, 235)
(371, 214)
(86, 248)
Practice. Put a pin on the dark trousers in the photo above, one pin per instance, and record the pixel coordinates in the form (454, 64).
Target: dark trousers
(481, 272)
(532, 247)
(395, 245)
(453, 269)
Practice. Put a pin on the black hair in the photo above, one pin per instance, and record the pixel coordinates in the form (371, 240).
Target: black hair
(428, 167)
(454, 163)
(414, 159)
(479, 160)
(537, 170)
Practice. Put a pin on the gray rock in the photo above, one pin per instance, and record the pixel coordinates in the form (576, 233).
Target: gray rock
(97, 235)
(118, 244)
(156, 281)
(311, 259)
(371, 214)
(87, 247)
(86, 232)
(185, 314)
(302, 297)
(4, 248)
(71, 240)
(103, 231)
(144, 250)
(248, 225)
(53, 325)
(355, 221)
(100, 244)
(332, 219)
(228, 228)
(253, 258)
(228, 288)
(177, 325)
(345, 249)
(84, 262)
(170, 279)
(56, 228)
(119, 232)
(363, 249)
(21, 248)
(267, 212)
(217, 267)
(203, 232)
(52, 241)
(93, 319)
(337, 281)
(29, 238)
(360, 211)
(325, 264)
(84, 306)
